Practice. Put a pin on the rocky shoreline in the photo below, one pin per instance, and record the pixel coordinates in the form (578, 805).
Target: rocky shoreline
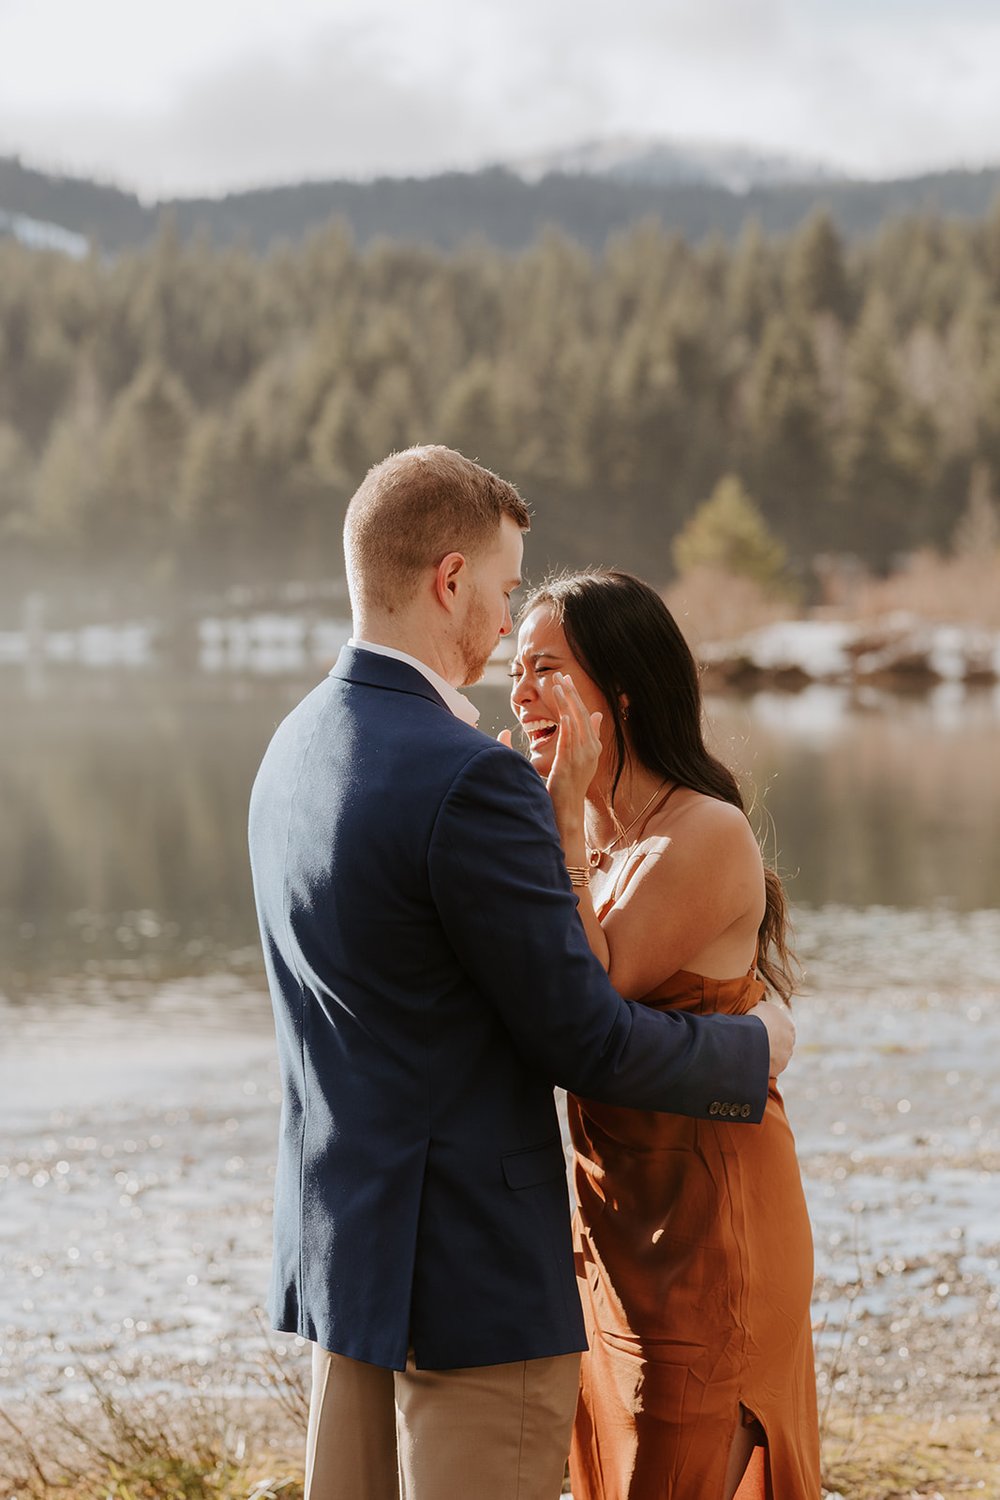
(898, 652)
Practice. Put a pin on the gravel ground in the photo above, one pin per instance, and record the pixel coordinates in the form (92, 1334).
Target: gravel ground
(138, 1124)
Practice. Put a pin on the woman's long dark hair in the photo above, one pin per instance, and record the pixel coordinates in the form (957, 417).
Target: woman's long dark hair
(629, 644)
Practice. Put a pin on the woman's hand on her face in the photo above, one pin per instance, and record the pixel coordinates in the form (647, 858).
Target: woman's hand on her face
(578, 747)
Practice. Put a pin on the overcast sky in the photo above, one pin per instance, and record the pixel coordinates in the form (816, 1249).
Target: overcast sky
(205, 95)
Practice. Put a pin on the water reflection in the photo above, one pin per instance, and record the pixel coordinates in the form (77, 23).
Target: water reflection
(124, 796)
(123, 837)
(273, 642)
(891, 802)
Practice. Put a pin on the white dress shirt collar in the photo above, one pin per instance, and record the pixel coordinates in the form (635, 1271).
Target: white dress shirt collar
(456, 701)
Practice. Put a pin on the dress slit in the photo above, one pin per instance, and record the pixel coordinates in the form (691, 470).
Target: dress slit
(755, 1483)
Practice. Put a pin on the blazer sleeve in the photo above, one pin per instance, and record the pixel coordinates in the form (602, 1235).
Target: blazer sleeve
(499, 883)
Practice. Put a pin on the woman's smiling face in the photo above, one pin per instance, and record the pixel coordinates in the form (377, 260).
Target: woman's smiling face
(543, 650)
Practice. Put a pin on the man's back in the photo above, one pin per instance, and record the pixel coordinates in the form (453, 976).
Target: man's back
(420, 1157)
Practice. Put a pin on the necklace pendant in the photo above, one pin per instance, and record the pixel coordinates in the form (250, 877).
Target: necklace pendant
(596, 858)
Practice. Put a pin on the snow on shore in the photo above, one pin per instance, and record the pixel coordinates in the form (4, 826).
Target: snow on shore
(898, 650)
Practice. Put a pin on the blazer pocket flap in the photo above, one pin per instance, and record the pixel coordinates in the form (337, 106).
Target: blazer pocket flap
(523, 1169)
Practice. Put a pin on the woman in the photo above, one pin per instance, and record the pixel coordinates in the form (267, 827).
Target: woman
(694, 1253)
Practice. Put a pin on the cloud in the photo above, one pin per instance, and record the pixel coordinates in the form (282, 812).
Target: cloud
(354, 101)
(388, 87)
(887, 92)
(336, 109)
(880, 87)
(342, 107)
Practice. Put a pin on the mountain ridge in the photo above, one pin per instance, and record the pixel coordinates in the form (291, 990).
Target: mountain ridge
(494, 204)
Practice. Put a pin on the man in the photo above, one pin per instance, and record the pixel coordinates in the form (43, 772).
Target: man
(431, 981)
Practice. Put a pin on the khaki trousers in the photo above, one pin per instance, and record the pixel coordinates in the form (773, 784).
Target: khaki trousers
(492, 1432)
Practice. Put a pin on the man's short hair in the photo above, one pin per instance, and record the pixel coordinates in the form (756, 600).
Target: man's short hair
(410, 511)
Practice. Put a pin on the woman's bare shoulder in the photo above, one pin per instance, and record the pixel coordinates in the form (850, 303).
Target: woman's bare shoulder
(699, 843)
(699, 820)
(698, 873)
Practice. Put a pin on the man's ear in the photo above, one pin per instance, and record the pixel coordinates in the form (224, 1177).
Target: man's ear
(448, 579)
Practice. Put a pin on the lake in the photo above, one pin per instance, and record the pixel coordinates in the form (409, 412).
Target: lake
(124, 796)
(138, 1094)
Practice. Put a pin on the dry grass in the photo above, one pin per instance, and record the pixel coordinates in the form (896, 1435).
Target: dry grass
(159, 1449)
(135, 1451)
(134, 1454)
(946, 590)
(711, 605)
(895, 1458)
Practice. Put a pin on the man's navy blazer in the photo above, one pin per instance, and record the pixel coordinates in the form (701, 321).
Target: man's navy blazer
(431, 981)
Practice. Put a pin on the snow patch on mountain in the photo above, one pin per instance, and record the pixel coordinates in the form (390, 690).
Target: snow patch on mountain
(674, 163)
(39, 235)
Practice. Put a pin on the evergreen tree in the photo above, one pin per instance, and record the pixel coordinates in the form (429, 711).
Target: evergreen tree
(987, 386)
(218, 407)
(141, 455)
(206, 507)
(729, 534)
(787, 447)
(885, 448)
(392, 413)
(816, 273)
(15, 481)
(474, 415)
(66, 512)
(751, 290)
(977, 534)
(337, 443)
(990, 251)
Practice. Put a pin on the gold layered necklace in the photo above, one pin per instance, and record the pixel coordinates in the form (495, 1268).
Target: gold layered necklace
(597, 857)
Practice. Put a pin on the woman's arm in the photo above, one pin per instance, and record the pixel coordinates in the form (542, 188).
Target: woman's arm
(569, 821)
(578, 750)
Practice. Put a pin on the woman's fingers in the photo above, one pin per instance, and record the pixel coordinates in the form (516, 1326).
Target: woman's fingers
(569, 726)
(579, 736)
(588, 726)
(577, 748)
(505, 738)
(569, 700)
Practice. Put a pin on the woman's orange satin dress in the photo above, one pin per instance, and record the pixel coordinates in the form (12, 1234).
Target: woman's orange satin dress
(695, 1267)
